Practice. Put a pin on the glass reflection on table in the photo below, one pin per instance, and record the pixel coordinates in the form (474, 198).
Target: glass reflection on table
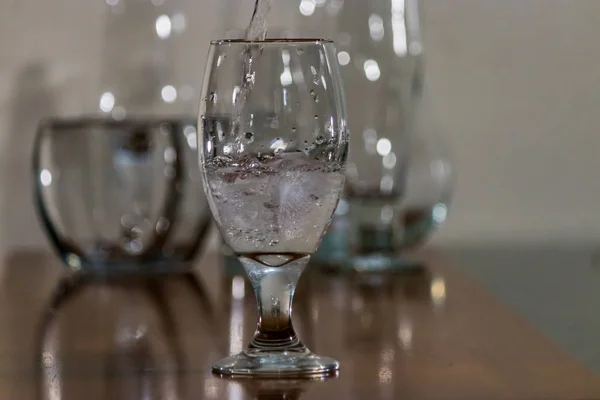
(127, 338)
(155, 338)
(374, 322)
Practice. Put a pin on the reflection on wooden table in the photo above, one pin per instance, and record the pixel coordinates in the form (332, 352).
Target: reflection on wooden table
(422, 334)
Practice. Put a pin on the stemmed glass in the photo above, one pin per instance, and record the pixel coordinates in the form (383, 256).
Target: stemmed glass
(273, 147)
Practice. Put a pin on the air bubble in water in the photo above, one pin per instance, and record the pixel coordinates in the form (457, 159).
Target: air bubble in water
(273, 242)
(252, 164)
(278, 145)
(320, 140)
(251, 77)
(300, 50)
(249, 137)
(316, 80)
(316, 98)
(316, 116)
(312, 92)
(213, 97)
(293, 129)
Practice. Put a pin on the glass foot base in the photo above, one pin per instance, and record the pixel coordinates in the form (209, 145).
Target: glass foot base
(277, 364)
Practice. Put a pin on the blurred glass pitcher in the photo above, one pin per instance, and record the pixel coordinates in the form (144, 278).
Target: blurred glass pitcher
(399, 176)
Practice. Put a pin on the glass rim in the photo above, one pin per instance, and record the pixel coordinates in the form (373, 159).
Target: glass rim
(273, 41)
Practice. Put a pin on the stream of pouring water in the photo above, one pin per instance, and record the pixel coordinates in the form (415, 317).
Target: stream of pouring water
(256, 31)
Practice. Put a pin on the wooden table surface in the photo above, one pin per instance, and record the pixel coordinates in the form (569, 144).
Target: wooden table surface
(426, 334)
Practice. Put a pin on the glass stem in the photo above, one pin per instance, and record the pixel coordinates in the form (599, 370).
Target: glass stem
(274, 289)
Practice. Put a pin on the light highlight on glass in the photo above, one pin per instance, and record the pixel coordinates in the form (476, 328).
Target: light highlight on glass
(372, 71)
(46, 177)
(376, 28)
(399, 28)
(170, 155)
(389, 161)
(191, 136)
(438, 291)
(286, 76)
(386, 214)
(439, 213)
(307, 7)
(370, 137)
(387, 184)
(343, 58)
(163, 26)
(169, 94)
(405, 333)
(384, 146)
(238, 288)
(107, 102)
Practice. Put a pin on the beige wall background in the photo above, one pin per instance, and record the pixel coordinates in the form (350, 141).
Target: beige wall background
(516, 87)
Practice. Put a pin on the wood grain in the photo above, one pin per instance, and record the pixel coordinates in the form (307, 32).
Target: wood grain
(422, 334)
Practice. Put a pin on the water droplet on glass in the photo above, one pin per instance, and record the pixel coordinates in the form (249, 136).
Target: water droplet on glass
(312, 92)
(300, 50)
(316, 116)
(316, 98)
(278, 145)
(213, 97)
(294, 129)
(249, 135)
(273, 242)
(316, 80)
(320, 140)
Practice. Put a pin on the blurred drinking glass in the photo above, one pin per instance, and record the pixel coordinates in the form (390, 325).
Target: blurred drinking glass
(112, 194)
